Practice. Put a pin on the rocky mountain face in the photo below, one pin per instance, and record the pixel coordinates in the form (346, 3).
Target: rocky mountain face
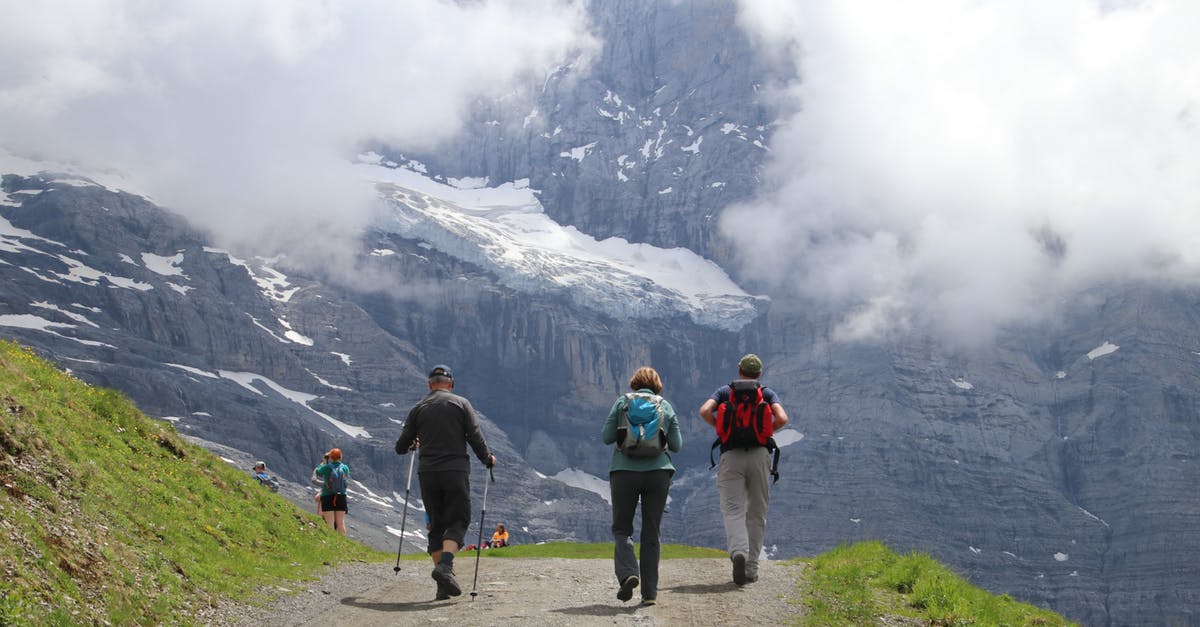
(1053, 466)
(665, 127)
(1058, 465)
(259, 361)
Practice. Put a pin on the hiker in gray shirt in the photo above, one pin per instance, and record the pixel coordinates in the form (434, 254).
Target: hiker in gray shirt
(441, 426)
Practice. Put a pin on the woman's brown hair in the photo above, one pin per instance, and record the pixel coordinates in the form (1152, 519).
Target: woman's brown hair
(646, 377)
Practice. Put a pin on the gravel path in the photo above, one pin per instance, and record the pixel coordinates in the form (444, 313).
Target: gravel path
(532, 592)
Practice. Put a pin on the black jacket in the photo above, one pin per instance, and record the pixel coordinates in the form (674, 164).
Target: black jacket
(446, 423)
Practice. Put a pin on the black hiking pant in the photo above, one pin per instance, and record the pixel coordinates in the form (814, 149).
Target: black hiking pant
(627, 488)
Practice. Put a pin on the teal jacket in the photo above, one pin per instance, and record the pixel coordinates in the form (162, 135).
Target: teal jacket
(322, 473)
(642, 464)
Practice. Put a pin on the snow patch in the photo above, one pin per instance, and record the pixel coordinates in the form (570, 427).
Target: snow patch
(273, 283)
(1107, 348)
(247, 380)
(70, 314)
(365, 493)
(584, 481)
(579, 152)
(293, 335)
(195, 371)
(37, 323)
(166, 266)
(1093, 516)
(328, 384)
(787, 437)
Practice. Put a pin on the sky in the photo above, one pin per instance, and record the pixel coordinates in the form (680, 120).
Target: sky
(970, 164)
(247, 116)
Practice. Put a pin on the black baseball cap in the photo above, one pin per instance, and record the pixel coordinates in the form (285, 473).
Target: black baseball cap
(441, 370)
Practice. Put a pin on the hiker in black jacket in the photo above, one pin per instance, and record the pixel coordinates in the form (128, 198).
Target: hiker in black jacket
(441, 425)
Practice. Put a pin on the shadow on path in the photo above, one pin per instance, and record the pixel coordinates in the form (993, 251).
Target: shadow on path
(703, 588)
(379, 606)
(597, 609)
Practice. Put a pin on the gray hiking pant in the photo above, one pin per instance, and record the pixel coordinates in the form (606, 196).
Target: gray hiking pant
(627, 487)
(743, 480)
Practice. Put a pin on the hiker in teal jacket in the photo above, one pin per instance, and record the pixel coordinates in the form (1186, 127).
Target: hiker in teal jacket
(643, 474)
(333, 475)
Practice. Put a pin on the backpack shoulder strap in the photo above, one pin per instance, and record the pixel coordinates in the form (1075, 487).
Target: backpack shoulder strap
(623, 410)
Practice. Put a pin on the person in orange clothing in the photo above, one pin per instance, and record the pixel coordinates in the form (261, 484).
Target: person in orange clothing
(499, 537)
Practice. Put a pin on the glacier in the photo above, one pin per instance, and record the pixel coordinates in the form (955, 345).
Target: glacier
(505, 230)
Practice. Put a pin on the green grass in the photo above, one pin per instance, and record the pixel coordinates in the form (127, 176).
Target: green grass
(107, 515)
(855, 584)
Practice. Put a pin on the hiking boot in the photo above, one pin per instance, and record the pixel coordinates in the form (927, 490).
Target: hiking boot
(627, 586)
(739, 569)
(442, 593)
(649, 602)
(444, 575)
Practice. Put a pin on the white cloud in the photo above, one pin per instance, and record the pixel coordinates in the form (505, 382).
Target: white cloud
(246, 115)
(960, 164)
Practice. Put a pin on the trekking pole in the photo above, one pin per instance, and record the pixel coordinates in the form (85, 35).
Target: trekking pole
(404, 516)
(479, 544)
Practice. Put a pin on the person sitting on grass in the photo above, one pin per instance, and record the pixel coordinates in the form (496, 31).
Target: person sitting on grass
(499, 538)
(260, 473)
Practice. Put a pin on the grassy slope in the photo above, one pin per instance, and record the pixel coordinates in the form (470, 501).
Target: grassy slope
(108, 515)
(856, 584)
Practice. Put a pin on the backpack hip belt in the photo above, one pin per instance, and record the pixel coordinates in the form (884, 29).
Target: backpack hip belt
(772, 450)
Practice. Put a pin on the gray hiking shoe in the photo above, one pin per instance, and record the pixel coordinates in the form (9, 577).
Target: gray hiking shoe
(627, 586)
(444, 575)
(739, 569)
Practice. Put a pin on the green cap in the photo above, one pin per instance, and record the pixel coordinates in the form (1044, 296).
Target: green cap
(750, 365)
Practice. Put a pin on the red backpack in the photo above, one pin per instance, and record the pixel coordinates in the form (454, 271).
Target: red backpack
(745, 421)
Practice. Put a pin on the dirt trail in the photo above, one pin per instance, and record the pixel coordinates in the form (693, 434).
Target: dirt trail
(532, 592)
